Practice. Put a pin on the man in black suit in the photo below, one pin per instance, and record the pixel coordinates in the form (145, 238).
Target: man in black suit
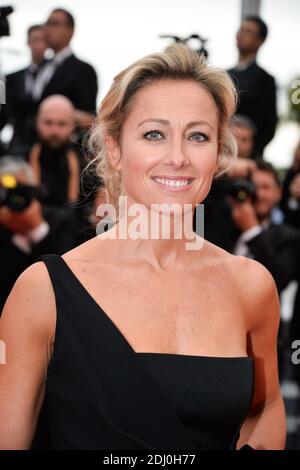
(30, 232)
(257, 90)
(21, 108)
(66, 74)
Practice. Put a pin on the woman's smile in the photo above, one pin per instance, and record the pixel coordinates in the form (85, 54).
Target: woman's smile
(173, 183)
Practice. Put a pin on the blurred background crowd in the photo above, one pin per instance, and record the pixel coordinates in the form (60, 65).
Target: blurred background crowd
(46, 206)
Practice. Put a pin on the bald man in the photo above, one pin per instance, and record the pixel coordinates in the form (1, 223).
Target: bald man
(54, 162)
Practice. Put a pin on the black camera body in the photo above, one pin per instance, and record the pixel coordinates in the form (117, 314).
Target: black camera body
(16, 196)
(241, 189)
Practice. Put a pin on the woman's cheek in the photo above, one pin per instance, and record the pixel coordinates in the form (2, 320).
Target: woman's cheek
(206, 164)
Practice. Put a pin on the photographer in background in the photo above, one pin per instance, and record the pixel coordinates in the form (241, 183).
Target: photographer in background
(290, 203)
(276, 246)
(219, 228)
(239, 220)
(28, 229)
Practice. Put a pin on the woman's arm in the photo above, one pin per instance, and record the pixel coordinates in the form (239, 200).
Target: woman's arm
(265, 426)
(26, 330)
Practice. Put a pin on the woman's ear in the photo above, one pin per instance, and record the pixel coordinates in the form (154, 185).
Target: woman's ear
(113, 152)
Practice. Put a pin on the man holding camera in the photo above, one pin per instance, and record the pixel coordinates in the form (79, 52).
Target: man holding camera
(27, 227)
(240, 219)
(276, 246)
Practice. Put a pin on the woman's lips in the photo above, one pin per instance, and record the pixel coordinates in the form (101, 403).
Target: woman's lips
(173, 184)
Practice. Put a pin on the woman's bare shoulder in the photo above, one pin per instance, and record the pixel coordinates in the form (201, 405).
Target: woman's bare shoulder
(30, 307)
(245, 270)
(253, 276)
(33, 285)
(259, 294)
(247, 278)
(31, 304)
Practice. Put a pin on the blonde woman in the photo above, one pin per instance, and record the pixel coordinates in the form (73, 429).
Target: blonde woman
(144, 342)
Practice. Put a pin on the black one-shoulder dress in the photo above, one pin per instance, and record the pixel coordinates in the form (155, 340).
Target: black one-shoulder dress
(101, 394)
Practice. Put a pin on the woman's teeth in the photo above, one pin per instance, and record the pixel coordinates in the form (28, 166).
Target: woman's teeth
(173, 183)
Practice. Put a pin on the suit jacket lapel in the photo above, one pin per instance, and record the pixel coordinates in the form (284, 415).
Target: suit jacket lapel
(59, 76)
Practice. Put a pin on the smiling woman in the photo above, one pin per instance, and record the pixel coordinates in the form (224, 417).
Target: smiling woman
(164, 80)
(139, 343)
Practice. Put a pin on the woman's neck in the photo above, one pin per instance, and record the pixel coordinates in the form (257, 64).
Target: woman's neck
(161, 240)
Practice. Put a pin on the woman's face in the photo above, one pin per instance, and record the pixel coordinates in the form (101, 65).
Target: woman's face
(168, 144)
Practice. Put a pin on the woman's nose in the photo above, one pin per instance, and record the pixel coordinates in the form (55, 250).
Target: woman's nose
(176, 155)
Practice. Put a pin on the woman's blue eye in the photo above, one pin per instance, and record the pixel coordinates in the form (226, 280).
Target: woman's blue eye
(153, 135)
(157, 135)
(202, 137)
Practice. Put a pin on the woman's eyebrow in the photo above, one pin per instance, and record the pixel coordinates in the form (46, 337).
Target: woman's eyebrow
(166, 122)
(198, 123)
(160, 121)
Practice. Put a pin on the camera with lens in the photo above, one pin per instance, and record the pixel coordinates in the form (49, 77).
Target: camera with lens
(14, 195)
(241, 189)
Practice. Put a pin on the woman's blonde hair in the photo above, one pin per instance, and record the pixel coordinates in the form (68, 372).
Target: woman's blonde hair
(177, 62)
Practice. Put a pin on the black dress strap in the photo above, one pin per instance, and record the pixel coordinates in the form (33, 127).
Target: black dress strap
(90, 353)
